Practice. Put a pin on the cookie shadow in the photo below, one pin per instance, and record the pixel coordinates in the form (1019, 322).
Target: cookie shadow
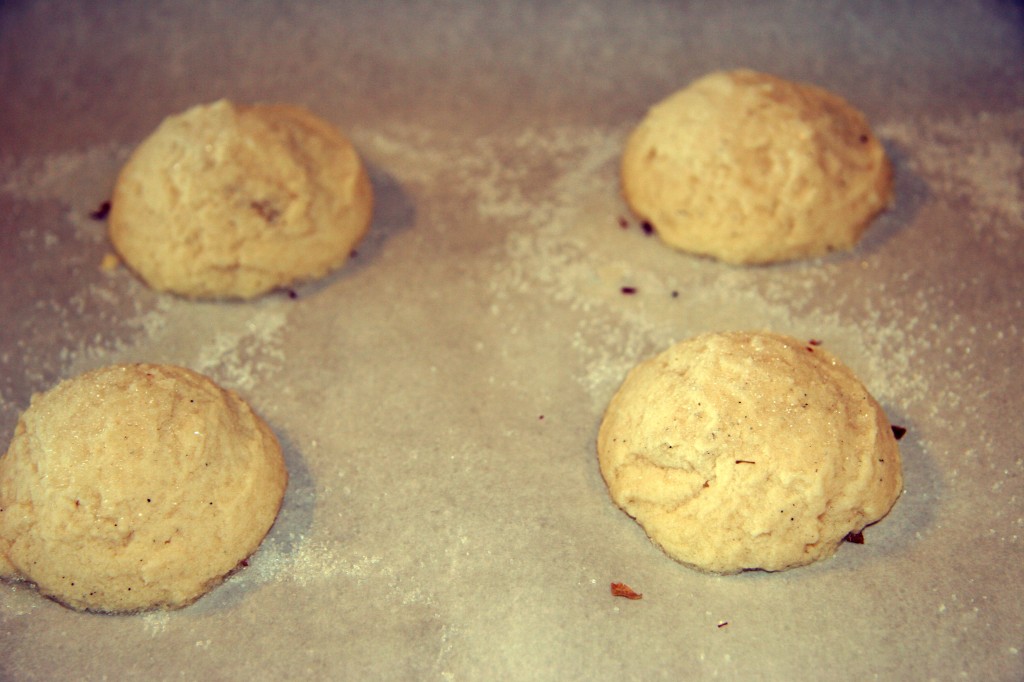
(892, 539)
(913, 516)
(394, 212)
(910, 193)
(280, 546)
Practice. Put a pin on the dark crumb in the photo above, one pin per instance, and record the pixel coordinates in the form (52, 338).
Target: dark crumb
(898, 431)
(628, 291)
(856, 538)
(245, 562)
(353, 253)
(675, 294)
(647, 227)
(745, 461)
(809, 349)
(723, 623)
(541, 417)
(814, 342)
(624, 590)
(863, 139)
(623, 223)
(292, 294)
(102, 212)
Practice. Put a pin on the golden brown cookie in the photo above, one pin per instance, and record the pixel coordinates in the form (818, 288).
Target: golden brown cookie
(231, 201)
(136, 487)
(750, 168)
(740, 451)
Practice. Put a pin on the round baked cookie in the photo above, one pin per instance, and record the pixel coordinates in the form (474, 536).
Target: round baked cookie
(135, 487)
(739, 451)
(231, 201)
(750, 168)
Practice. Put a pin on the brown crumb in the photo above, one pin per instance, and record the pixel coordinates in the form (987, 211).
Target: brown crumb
(624, 590)
(101, 212)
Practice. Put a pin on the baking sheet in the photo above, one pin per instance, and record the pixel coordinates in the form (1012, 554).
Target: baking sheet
(438, 398)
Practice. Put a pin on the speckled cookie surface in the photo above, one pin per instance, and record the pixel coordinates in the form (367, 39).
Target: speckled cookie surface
(746, 167)
(231, 201)
(135, 487)
(739, 451)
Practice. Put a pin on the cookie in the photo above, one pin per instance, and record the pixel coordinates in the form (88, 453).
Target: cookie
(738, 451)
(136, 487)
(232, 201)
(750, 168)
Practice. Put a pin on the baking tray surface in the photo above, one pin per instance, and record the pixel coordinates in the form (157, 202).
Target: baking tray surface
(438, 398)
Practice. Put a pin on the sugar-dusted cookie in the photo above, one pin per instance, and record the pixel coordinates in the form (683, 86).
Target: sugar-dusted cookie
(231, 201)
(740, 451)
(135, 487)
(750, 168)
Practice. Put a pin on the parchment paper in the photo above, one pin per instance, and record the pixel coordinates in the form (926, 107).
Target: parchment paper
(438, 398)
